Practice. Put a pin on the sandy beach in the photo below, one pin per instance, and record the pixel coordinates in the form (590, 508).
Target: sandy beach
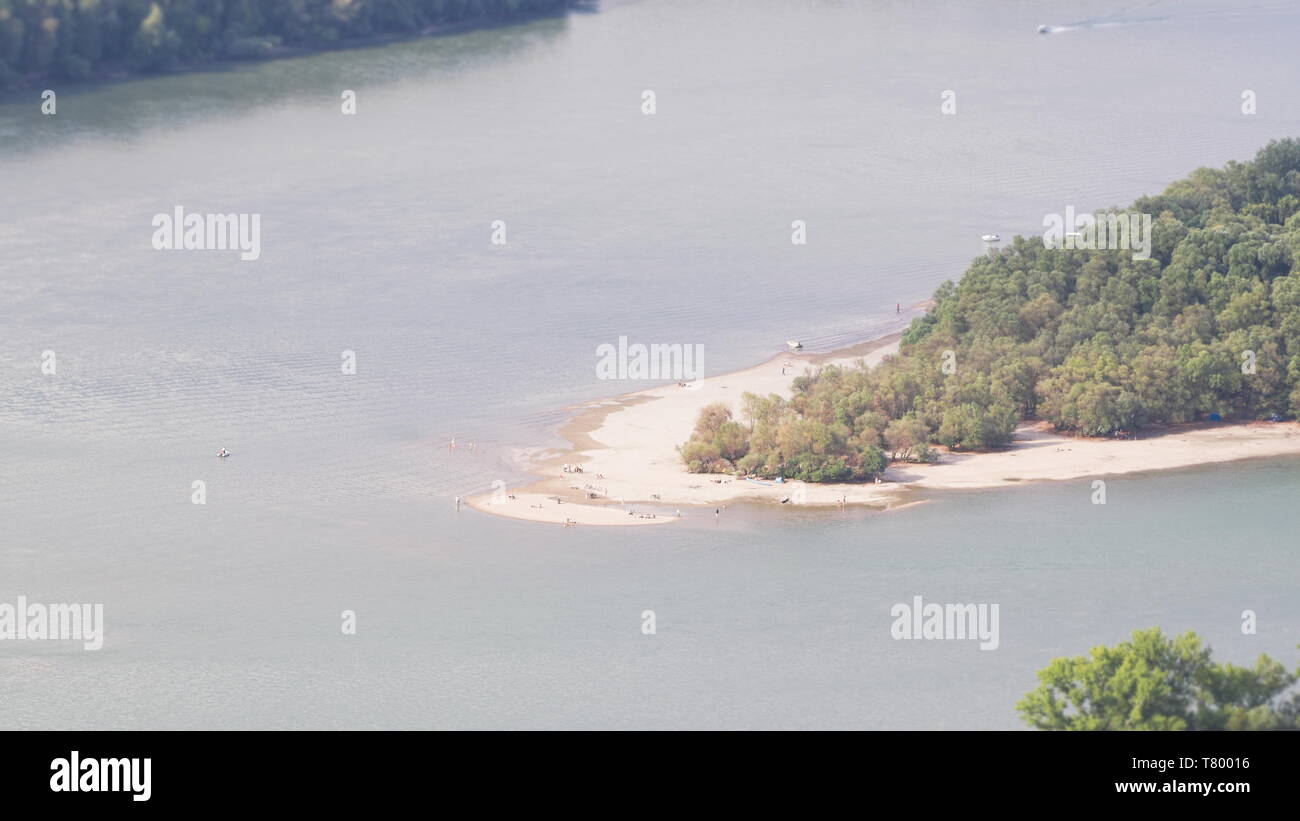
(631, 473)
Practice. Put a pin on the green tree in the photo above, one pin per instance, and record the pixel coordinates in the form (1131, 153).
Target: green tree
(1091, 340)
(1155, 682)
(903, 435)
(717, 442)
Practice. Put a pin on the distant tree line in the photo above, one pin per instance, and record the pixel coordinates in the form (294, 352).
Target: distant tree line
(1093, 341)
(77, 39)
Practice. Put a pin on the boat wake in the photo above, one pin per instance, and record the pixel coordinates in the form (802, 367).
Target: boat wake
(1094, 24)
(1118, 19)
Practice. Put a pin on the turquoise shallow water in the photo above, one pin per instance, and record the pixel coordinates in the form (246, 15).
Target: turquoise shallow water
(673, 229)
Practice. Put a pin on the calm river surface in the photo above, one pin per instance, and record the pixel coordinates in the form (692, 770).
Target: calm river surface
(375, 236)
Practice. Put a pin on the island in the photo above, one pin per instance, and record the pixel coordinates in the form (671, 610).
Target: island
(1045, 361)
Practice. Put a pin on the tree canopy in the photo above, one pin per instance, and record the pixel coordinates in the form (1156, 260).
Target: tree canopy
(1093, 341)
(77, 39)
(1156, 682)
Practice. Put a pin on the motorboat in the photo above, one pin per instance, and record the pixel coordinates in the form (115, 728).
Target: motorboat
(794, 344)
(991, 238)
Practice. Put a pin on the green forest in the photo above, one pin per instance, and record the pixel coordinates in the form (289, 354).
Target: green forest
(79, 39)
(1093, 341)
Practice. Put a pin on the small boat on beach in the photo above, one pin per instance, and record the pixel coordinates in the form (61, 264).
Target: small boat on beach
(794, 344)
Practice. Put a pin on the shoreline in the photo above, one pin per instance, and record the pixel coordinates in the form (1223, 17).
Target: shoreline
(627, 466)
(117, 73)
(631, 473)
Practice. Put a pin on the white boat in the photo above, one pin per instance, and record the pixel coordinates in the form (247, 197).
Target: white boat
(794, 344)
(991, 238)
(1044, 29)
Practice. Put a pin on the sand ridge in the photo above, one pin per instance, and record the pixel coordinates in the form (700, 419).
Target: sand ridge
(632, 475)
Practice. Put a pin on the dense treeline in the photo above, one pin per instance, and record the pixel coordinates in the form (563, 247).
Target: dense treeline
(1094, 341)
(75, 39)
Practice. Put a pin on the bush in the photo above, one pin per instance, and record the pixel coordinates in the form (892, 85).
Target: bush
(717, 443)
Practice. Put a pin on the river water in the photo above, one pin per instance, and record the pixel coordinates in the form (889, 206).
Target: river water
(376, 237)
